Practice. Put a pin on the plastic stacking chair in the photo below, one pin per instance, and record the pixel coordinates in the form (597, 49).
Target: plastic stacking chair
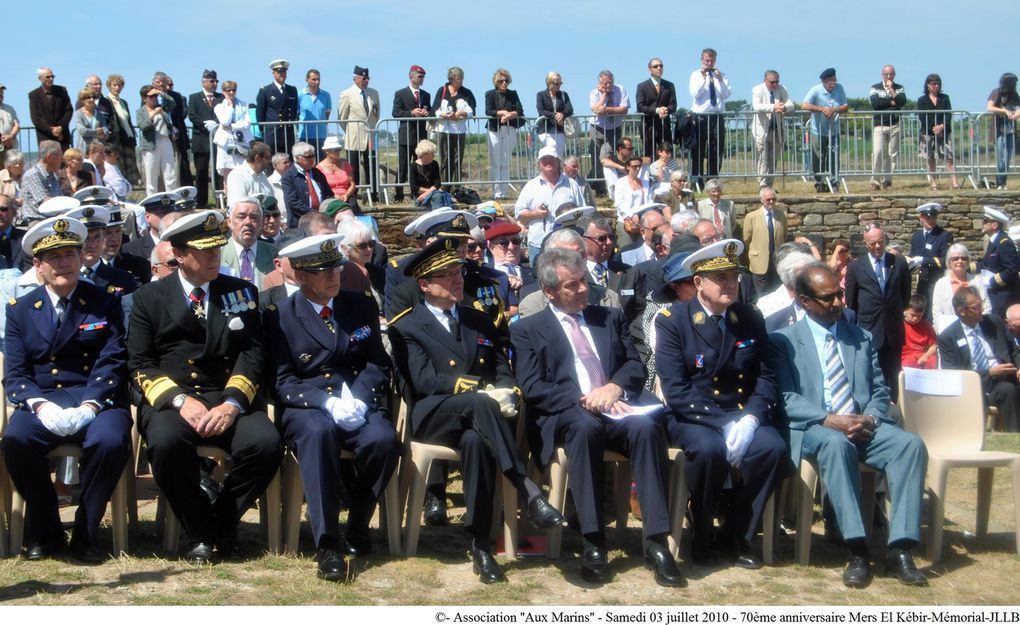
(952, 428)
(805, 485)
(119, 503)
(559, 481)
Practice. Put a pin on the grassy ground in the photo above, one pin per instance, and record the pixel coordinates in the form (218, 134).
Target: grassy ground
(973, 572)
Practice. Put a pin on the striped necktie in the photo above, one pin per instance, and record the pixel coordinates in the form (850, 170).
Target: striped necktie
(978, 357)
(589, 359)
(841, 399)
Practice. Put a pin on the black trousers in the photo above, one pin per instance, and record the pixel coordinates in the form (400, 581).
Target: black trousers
(1005, 396)
(254, 446)
(184, 176)
(451, 147)
(472, 423)
(363, 164)
(585, 437)
(707, 154)
(707, 470)
(106, 447)
(202, 162)
(317, 442)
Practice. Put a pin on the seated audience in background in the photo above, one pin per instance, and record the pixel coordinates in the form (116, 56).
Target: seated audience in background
(958, 274)
(920, 342)
(424, 178)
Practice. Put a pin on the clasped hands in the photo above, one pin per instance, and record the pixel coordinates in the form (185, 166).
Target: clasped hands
(65, 421)
(606, 398)
(738, 435)
(857, 427)
(209, 422)
(347, 411)
(505, 397)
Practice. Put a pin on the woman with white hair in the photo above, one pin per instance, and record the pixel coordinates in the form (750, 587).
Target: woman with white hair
(957, 275)
(357, 246)
(424, 180)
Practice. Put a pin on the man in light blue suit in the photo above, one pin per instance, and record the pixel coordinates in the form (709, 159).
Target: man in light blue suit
(838, 408)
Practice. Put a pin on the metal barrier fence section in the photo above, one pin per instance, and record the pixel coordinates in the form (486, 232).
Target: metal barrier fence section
(973, 146)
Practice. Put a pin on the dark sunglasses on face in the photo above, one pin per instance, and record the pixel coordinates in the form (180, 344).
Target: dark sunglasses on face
(829, 297)
(506, 242)
(473, 247)
(170, 264)
(602, 239)
(365, 245)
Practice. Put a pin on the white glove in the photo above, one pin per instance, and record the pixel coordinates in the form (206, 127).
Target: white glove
(78, 418)
(52, 418)
(211, 125)
(915, 261)
(347, 411)
(739, 435)
(505, 397)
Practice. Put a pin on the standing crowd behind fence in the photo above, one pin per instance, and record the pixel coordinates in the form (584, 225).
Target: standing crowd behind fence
(490, 144)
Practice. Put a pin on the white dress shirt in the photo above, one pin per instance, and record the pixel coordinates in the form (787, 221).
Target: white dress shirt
(702, 96)
(581, 373)
(440, 315)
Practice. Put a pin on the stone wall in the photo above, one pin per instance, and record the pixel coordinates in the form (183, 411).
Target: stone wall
(826, 216)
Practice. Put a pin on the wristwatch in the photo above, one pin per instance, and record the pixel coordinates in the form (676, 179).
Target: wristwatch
(178, 401)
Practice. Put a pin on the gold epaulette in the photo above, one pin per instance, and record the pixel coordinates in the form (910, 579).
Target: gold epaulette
(271, 307)
(664, 311)
(395, 265)
(12, 301)
(400, 315)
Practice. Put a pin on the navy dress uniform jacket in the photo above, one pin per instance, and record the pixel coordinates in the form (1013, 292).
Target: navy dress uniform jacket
(1001, 259)
(436, 365)
(712, 377)
(273, 106)
(932, 248)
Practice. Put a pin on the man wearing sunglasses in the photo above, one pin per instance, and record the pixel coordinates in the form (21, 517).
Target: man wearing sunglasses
(163, 261)
(837, 403)
(10, 237)
(656, 101)
(504, 243)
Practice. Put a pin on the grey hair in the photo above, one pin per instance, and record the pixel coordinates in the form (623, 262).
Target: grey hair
(788, 248)
(958, 248)
(478, 234)
(553, 258)
(159, 76)
(245, 200)
(302, 148)
(49, 147)
(791, 265)
(354, 232)
(683, 221)
(425, 147)
(570, 159)
(600, 222)
(42, 71)
(607, 73)
(712, 185)
(279, 157)
(14, 156)
(564, 237)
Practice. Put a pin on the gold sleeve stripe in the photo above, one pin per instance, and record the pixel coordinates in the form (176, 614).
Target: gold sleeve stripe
(154, 389)
(938, 263)
(999, 280)
(464, 385)
(244, 385)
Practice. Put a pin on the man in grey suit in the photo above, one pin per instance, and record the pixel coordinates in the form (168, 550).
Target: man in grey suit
(718, 210)
(838, 408)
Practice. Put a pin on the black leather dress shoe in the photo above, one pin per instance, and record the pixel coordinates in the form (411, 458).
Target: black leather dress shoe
(667, 573)
(542, 514)
(485, 566)
(435, 511)
(746, 556)
(87, 553)
(857, 573)
(704, 555)
(595, 566)
(900, 564)
(45, 548)
(229, 548)
(357, 546)
(332, 566)
(199, 553)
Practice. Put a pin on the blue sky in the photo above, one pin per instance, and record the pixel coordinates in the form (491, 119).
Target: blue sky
(527, 37)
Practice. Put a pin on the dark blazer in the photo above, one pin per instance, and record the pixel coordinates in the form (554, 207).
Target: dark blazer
(655, 129)
(954, 348)
(84, 356)
(711, 376)
(436, 365)
(308, 363)
(1001, 258)
(273, 296)
(878, 312)
(109, 276)
(273, 106)
(410, 132)
(199, 112)
(545, 366)
(490, 109)
(172, 351)
(932, 248)
(11, 249)
(544, 105)
(138, 267)
(51, 110)
(295, 192)
(177, 117)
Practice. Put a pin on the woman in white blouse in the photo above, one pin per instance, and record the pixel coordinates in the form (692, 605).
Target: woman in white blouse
(632, 190)
(957, 275)
(233, 134)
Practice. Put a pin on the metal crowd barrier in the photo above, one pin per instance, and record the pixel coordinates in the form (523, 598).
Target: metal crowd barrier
(972, 142)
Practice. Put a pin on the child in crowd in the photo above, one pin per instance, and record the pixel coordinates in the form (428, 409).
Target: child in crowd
(920, 342)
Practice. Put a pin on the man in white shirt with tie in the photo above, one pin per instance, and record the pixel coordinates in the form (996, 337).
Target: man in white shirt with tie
(709, 89)
(839, 413)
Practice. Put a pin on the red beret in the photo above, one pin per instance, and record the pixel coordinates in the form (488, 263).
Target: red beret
(501, 228)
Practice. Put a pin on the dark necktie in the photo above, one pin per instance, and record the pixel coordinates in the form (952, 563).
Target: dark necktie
(197, 294)
(772, 234)
(453, 323)
(364, 102)
(62, 306)
(88, 272)
(327, 316)
(600, 275)
(772, 118)
(711, 91)
(717, 319)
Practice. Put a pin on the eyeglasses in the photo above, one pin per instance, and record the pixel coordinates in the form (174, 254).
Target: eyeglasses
(556, 82)
(230, 90)
(658, 66)
(365, 245)
(446, 276)
(602, 239)
(473, 247)
(954, 259)
(502, 80)
(170, 264)
(627, 147)
(506, 242)
(828, 298)
(5, 209)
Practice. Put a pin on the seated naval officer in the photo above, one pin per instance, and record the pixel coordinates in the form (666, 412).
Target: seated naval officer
(65, 373)
(195, 350)
(96, 218)
(331, 374)
(453, 359)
